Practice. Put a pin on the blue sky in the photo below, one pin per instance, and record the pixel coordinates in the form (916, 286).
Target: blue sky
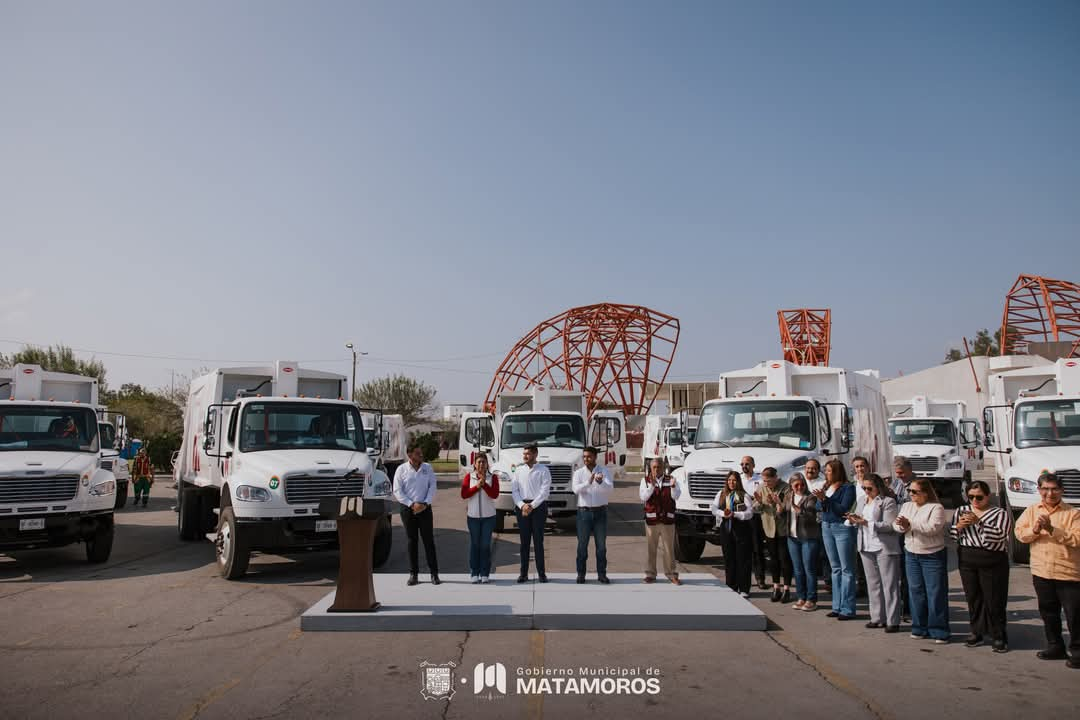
(246, 180)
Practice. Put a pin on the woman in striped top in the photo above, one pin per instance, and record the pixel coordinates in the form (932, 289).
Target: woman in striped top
(982, 535)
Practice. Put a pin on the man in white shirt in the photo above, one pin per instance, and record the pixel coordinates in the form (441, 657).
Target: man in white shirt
(530, 486)
(659, 491)
(593, 485)
(414, 488)
(752, 482)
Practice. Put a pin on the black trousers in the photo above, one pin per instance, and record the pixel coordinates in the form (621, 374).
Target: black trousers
(1055, 596)
(779, 559)
(531, 532)
(423, 525)
(985, 577)
(737, 540)
(758, 548)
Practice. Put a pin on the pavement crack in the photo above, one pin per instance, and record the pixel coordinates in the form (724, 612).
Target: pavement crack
(460, 660)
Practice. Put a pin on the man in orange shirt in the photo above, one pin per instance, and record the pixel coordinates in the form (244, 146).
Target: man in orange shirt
(1052, 528)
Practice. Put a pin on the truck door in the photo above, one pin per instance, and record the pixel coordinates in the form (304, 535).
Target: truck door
(476, 433)
(607, 434)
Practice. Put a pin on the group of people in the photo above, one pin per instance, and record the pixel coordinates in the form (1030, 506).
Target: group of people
(813, 523)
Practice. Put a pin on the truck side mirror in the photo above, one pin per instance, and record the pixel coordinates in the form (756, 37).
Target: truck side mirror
(385, 439)
(988, 429)
(848, 436)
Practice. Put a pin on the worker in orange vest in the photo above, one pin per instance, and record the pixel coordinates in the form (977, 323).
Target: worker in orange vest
(143, 477)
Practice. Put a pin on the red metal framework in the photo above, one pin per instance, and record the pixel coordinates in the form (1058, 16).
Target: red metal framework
(805, 335)
(609, 351)
(1039, 309)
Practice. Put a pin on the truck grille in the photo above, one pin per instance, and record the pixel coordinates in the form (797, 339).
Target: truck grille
(305, 489)
(1070, 482)
(927, 464)
(704, 486)
(560, 476)
(38, 489)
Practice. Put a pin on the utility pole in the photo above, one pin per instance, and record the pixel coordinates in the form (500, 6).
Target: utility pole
(355, 352)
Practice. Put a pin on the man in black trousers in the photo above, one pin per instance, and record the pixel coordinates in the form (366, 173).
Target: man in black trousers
(414, 488)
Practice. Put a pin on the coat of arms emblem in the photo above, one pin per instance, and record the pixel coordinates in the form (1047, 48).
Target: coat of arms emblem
(437, 680)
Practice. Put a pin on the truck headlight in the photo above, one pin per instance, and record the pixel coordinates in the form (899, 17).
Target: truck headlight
(250, 493)
(1023, 486)
(103, 488)
(955, 465)
(380, 487)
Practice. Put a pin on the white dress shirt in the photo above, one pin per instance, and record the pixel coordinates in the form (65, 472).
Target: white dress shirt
(590, 493)
(645, 490)
(414, 486)
(817, 483)
(751, 483)
(532, 484)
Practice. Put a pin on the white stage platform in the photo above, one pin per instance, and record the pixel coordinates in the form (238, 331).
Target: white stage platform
(702, 602)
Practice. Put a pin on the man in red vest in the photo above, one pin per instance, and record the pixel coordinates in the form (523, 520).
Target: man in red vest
(143, 477)
(659, 492)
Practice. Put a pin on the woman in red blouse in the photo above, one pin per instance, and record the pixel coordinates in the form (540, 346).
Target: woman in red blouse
(480, 507)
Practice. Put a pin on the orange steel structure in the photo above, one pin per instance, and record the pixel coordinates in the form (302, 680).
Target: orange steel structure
(805, 335)
(609, 351)
(1039, 309)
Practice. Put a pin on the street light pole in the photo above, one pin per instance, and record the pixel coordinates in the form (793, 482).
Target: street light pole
(355, 352)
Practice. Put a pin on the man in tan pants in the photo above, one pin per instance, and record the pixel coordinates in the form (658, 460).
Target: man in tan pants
(659, 492)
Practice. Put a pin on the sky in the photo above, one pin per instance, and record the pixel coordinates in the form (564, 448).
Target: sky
(188, 185)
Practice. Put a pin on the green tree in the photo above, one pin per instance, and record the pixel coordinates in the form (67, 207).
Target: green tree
(397, 395)
(983, 344)
(429, 445)
(57, 358)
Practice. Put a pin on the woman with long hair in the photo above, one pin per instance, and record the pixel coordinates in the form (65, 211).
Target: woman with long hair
(804, 541)
(923, 522)
(835, 500)
(734, 516)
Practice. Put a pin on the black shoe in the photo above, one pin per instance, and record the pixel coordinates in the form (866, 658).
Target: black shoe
(580, 579)
(412, 580)
(523, 578)
(435, 579)
(973, 640)
(785, 598)
(1052, 654)
(775, 595)
(832, 613)
(1000, 646)
(874, 625)
(543, 578)
(604, 580)
(761, 584)
(892, 628)
(1073, 662)
(845, 617)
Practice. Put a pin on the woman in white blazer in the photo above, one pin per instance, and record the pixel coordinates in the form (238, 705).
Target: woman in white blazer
(879, 548)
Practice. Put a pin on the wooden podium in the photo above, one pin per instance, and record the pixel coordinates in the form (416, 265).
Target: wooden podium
(357, 519)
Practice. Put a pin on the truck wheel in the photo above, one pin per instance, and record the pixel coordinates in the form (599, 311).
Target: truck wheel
(188, 522)
(99, 545)
(121, 495)
(688, 548)
(233, 553)
(384, 539)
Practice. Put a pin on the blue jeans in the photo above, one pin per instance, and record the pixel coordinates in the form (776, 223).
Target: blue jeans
(804, 555)
(928, 586)
(480, 530)
(592, 522)
(840, 545)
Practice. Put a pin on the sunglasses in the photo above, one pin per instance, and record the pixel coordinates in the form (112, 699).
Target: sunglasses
(868, 488)
(976, 497)
(916, 492)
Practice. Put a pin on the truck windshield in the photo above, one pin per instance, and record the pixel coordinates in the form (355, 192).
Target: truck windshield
(33, 427)
(1048, 422)
(673, 436)
(288, 426)
(757, 423)
(543, 431)
(922, 432)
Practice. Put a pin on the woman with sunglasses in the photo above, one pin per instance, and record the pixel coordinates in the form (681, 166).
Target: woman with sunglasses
(879, 548)
(982, 536)
(923, 521)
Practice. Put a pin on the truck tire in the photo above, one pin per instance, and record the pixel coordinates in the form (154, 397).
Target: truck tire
(233, 552)
(500, 521)
(1019, 553)
(99, 545)
(384, 539)
(688, 548)
(188, 518)
(121, 495)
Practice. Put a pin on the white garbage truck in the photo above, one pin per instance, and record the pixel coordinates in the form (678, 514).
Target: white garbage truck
(384, 436)
(782, 415)
(262, 447)
(1031, 425)
(553, 420)
(54, 489)
(663, 439)
(112, 429)
(940, 441)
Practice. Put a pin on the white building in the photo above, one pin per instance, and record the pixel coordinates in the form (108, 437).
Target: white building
(955, 380)
(454, 411)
